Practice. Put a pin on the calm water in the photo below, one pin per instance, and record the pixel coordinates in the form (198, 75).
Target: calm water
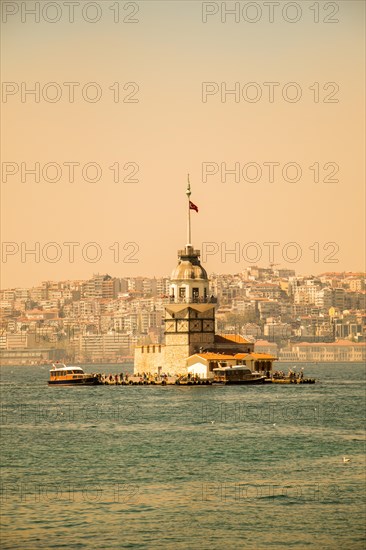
(194, 467)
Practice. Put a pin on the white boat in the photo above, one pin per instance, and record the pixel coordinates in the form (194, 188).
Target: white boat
(62, 375)
(239, 374)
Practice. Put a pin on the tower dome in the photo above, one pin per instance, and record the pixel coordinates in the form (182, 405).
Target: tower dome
(186, 270)
(189, 266)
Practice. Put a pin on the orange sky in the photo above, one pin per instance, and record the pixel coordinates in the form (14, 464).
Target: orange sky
(169, 131)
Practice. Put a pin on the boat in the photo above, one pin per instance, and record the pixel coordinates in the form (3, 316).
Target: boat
(62, 375)
(288, 380)
(236, 375)
(279, 377)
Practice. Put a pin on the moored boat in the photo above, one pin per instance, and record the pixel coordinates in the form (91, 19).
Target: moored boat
(236, 375)
(288, 380)
(62, 375)
(279, 377)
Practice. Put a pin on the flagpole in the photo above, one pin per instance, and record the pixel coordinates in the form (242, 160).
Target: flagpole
(188, 193)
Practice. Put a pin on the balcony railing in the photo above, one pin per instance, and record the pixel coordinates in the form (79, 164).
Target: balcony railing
(183, 252)
(198, 300)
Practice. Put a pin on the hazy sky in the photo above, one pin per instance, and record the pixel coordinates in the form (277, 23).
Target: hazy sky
(167, 122)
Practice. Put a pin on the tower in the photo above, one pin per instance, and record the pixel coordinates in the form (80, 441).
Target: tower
(190, 315)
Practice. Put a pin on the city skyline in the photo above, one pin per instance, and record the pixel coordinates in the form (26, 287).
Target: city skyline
(108, 318)
(360, 274)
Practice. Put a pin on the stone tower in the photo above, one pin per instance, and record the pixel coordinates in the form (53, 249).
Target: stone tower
(190, 316)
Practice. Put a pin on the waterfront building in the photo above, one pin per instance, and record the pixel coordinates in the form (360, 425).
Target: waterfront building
(339, 351)
(30, 356)
(203, 364)
(99, 347)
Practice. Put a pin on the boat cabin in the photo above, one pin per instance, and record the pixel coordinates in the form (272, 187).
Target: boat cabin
(63, 372)
(235, 375)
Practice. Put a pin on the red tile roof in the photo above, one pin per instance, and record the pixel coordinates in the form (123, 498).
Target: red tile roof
(227, 356)
(230, 338)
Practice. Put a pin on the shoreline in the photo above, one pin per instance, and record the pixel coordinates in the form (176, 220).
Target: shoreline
(74, 364)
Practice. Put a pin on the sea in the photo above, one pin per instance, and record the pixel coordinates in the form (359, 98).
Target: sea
(195, 467)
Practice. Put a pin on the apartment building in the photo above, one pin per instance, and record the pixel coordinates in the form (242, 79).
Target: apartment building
(339, 351)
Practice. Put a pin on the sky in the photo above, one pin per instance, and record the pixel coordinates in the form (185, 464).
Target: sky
(264, 108)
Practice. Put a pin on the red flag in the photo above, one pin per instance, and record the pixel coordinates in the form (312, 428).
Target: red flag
(193, 206)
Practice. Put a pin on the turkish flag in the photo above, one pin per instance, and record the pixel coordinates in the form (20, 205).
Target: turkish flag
(193, 206)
